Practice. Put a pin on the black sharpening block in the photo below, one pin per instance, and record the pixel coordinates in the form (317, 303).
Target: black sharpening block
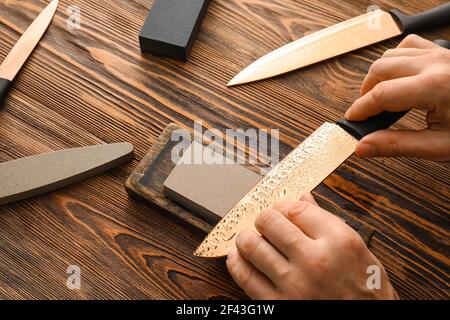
(172, 26)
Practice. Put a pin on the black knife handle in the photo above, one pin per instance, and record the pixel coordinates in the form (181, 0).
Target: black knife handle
(442, 43)
(360, 129)
(4, 88)
(436, 17)
(383, 120)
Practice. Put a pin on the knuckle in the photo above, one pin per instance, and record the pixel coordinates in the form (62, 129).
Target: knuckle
(249, 244)
(394, 147)
(351, 241)
(283, 272)
(410, 39)
(355, 243)
(379, 92)
(293, 242)
(376, 66)
(338, 231)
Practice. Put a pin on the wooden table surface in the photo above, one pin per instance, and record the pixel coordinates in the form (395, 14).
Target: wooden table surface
(92, 85)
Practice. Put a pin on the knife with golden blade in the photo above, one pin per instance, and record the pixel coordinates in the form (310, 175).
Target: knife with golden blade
(23, 48)
(300, 172)
(343, 37)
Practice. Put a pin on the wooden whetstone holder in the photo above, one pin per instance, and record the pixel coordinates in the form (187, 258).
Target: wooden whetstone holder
(146, 183)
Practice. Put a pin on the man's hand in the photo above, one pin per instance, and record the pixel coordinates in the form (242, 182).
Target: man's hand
(304, 252)
(414, 75)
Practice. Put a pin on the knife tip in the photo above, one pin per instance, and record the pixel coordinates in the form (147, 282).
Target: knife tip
(242, 78)
(236, 81)
(52, 7)
(232, 82)
(54, 3)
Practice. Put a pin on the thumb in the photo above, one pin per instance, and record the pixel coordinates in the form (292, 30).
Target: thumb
(425, 144)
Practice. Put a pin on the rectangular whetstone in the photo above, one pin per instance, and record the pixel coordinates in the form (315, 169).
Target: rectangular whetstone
(210, 190)
(172, 26)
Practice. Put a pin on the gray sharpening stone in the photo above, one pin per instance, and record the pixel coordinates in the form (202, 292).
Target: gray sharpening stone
(210, 190)
(28, 177)
(171, 27)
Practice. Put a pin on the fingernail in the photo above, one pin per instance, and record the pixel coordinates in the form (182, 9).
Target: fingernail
(366, 150)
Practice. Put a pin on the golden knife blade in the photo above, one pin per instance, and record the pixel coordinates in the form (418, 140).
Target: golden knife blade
(343, 37)
(23, 48)
(300, 172)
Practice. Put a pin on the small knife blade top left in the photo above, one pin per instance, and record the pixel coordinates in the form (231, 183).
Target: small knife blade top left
(24, 47)
(31, 176)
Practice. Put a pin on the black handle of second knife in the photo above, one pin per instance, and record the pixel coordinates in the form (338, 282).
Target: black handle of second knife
(360, 129)
(383, 120)
(4, 88)
(436, 17)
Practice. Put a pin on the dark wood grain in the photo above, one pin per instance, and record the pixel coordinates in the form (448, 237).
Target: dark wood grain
(89, 86)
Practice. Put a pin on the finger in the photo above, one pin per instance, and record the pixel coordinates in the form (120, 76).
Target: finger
(414, 41)
(405, 52)
(281, 232)
(255, 284)
(426, 144)
(309, 198)
(314, 221)
(261, 254)
(388, 69)
(392, 95)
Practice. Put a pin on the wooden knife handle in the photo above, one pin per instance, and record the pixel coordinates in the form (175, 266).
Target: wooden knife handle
(383, 120)
(4, 88)
(436, 17)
